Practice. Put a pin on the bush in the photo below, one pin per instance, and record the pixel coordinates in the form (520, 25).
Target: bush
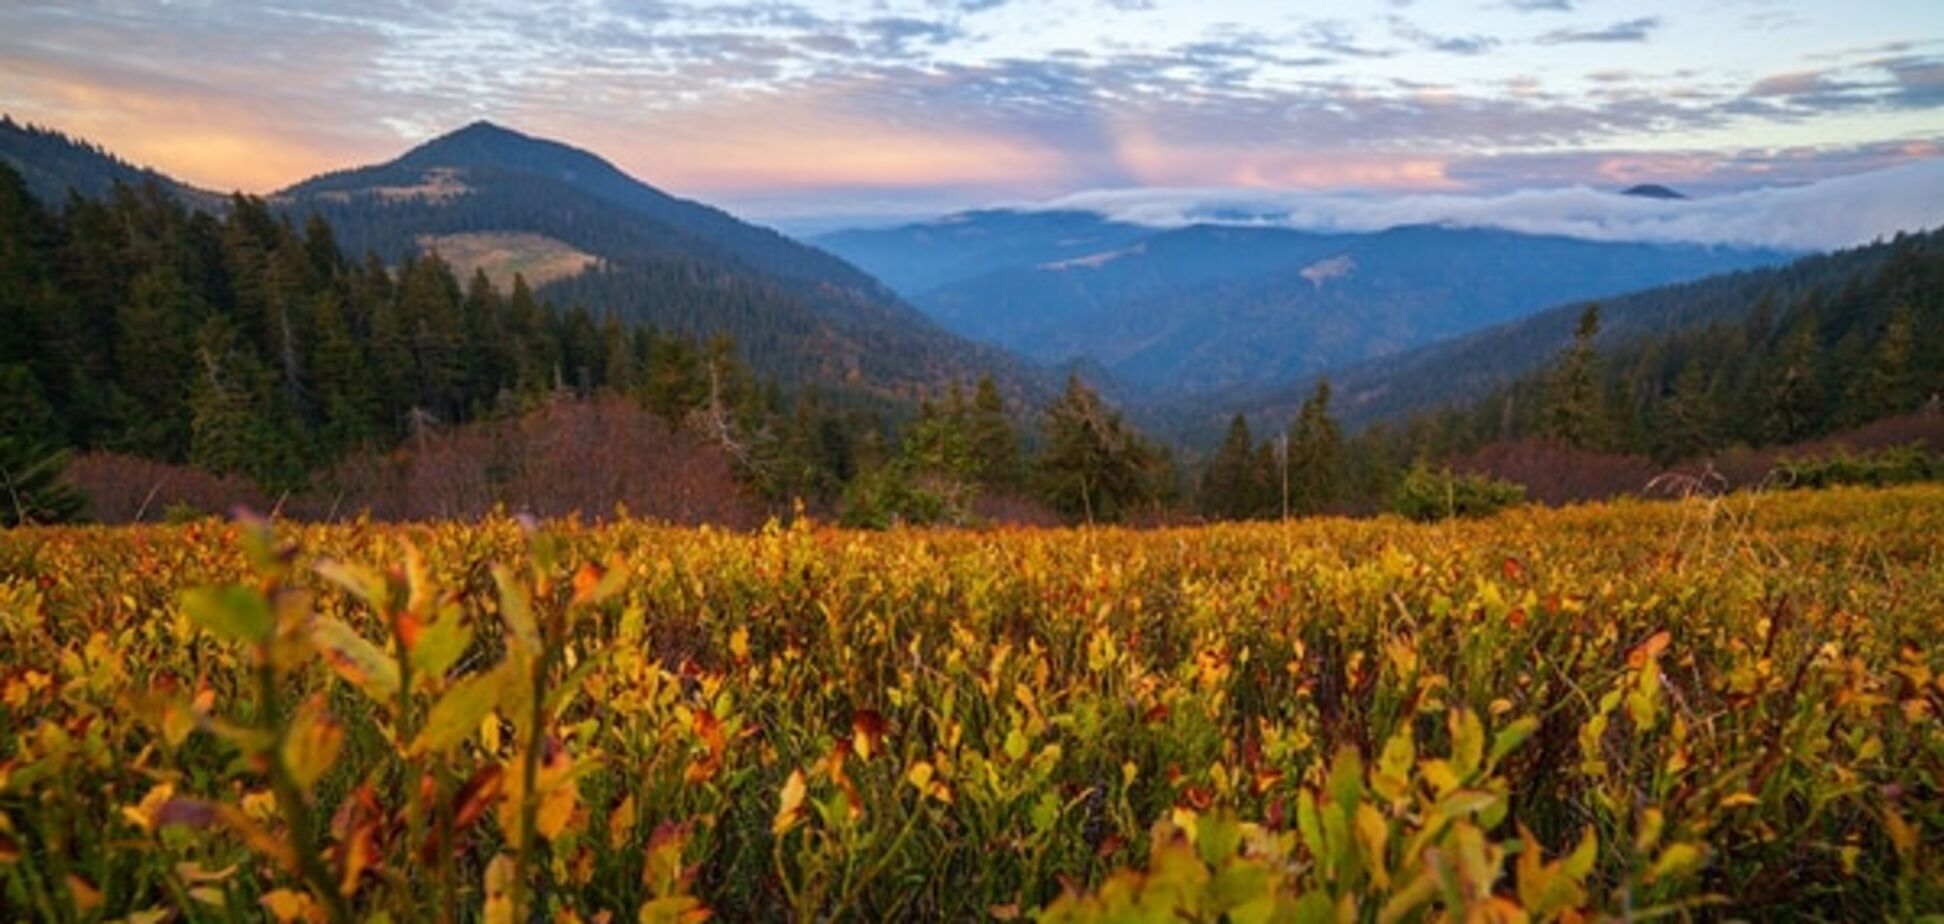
(1893, 465)
(1428, 494)
(891, 496)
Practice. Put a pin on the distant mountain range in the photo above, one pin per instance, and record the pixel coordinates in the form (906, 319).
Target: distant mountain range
(1210, 308)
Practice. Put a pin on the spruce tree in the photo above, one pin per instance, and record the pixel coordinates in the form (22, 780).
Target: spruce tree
(1231, 487)
(1575, 411)
(1315, 454)
(1094, 466)
(996, 459)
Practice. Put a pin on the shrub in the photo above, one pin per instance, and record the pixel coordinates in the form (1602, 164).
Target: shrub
(1889, 466)
(1428, 494)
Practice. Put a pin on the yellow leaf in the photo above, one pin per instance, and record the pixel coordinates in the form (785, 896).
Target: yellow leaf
(312, 744)
(621, 822)
(1677, 860)
(86, 896)
(1373, 833)
(1903, 834)
(919, 775)
(499, 890)
(287, 905)
(791, 807)
(739, 644)
(358, 661)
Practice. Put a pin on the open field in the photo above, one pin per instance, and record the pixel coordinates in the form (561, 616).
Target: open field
(501, 255)
(1551, 715)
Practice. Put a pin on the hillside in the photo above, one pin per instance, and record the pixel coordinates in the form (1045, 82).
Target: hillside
(1210, 308)
(53, 163)
(797, 312)
(1469, 367)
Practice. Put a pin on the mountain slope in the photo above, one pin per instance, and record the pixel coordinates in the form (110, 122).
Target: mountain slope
(52, 163)
(1473, 366)
(919, 257)
(1208, 308)
(798, 313)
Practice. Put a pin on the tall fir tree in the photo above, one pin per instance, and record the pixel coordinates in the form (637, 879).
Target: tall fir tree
(1315, 454)
(1576, 412)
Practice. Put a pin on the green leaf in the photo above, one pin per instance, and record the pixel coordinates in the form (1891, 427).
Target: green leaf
(236, 613)
(1346, 784)
(1017, 744)
(517, 609)
(440, 643)
(1218, 836)
(358, 661)
(458, 713)
(1509, 738)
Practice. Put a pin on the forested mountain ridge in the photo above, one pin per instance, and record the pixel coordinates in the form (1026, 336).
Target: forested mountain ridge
(51, 163)
(800, 315)
(472, 159)
(1826, 353)
(1471, 366)
(1205, 309)
(243, 345)
(797, 313)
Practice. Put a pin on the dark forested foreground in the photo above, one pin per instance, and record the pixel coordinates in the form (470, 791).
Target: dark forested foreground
(1621, 712)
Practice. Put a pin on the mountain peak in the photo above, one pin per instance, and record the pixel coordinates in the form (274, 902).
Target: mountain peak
(1651, 191)
(484, 143)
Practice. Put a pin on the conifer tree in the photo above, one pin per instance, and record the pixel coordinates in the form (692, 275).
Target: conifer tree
(1232, 487)
(1315, 454)
(996, 459)
(1575, 411)
(1094, 466)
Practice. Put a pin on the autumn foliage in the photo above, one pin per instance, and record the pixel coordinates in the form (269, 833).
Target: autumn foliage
(1624, 711)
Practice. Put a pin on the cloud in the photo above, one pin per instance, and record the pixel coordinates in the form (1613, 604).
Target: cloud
(1450, 44)
(1541, 6)
(1632, 30)
(1840, 212)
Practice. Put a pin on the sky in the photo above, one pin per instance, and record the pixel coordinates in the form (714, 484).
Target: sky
(806, 111)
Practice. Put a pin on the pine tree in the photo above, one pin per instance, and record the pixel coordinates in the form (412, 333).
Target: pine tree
(232, 428)
(1887, 383)
(996, 460)
(1232, 487)
(1315, 454)
(1575, 411)
(1093, 466)
(154, 361)
(1795, 387)
(346, 398)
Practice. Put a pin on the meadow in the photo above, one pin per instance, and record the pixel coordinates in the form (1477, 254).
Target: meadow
(1697, 709)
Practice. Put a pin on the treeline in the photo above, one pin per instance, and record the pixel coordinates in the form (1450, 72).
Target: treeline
(963, 453)
(1794, 368)
(243, 345)
(1802, 364)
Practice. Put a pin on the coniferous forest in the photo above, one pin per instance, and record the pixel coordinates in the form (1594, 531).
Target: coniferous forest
(250, 345)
